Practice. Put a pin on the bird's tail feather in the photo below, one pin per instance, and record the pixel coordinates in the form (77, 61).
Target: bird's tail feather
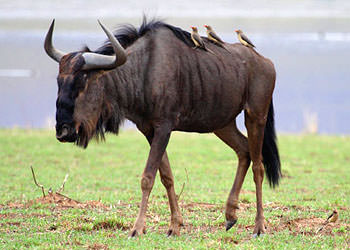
(209, 50)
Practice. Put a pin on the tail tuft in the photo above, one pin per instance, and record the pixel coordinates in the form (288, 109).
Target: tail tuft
(271, 158)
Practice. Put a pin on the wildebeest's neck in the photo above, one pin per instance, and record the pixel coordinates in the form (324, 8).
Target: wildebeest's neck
(124, 86)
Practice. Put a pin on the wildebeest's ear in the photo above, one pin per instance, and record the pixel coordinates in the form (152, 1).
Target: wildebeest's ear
(85, 49)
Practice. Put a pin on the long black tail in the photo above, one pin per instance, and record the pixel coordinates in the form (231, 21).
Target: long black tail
(271, 158)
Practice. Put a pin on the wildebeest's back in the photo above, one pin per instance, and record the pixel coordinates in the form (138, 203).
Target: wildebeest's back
(262, 76)
(193, 86)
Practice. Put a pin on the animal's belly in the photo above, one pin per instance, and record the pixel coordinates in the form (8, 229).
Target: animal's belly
(202, 122)
(199, 128)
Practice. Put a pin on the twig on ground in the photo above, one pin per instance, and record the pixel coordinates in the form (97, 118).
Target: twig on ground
(64, 196)
(36, 183)
(183, 185)
(218, 217)
(62, 186)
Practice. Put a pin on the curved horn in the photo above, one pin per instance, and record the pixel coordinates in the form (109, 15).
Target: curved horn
(97, 61)
(55, 54)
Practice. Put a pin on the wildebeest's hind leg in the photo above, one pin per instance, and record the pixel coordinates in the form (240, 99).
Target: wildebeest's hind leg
(239, 143)
(255, 124)
(159, 143)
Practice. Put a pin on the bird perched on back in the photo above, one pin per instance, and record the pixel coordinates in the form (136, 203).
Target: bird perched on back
(244, 39)
(212, 36)
(198, 41)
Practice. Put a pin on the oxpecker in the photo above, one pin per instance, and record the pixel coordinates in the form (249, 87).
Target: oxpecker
(212, 36)
(244, 39)
(333, 217)
(197, 40)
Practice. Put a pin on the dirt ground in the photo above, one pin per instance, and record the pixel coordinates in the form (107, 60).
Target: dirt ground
(300, 226)
(61, 201)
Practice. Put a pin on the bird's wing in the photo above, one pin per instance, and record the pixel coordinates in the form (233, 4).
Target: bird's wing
(194, 40)
(330, 216)
(215, 36)
(245, 38)
(198, 40)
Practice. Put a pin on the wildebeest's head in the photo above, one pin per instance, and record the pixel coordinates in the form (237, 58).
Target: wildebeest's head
(80, 101)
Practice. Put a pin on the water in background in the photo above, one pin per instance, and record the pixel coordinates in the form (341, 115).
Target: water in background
(68, 9)
(309, 44)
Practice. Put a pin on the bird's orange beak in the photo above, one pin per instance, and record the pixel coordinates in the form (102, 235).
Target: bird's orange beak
(206, 26)
(236, 31)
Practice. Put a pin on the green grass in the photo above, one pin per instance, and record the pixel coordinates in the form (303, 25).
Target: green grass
(317, 180)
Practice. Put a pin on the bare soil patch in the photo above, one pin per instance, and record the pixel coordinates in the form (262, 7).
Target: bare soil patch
(97, 246)
(60, 200)
(311, 226)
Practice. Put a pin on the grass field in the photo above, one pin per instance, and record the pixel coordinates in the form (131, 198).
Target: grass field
(105, 178)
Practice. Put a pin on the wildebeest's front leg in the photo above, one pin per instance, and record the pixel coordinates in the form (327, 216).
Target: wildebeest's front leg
(158, 146)
(167, 179)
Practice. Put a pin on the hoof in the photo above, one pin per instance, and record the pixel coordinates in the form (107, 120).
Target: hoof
(173, 231)
(258, 235)
(135, 233)
(230, 224)
(259, 229)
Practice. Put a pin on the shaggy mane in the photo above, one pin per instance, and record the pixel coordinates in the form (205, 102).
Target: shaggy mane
(127, 34)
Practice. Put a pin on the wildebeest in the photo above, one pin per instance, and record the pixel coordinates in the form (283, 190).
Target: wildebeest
(154, 78)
